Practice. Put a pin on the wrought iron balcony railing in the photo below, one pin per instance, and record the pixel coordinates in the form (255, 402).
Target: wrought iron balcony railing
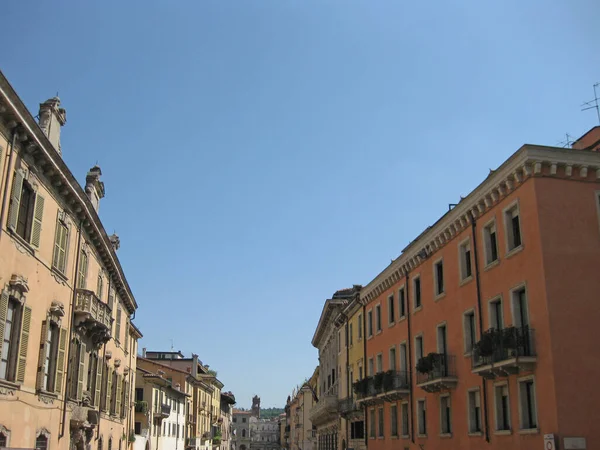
(391, 386)
(436, 371)
(504, 352)
(141, 406)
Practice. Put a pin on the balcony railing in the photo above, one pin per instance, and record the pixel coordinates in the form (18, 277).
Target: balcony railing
(96, 316)
(193, 442)
(504, 352)
(141, 406)
(384, 386)
(347, 406)
(162, 411)
(324, 410)
(436, 372)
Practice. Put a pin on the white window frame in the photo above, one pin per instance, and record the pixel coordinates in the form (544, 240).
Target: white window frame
(392, 434)
(513, 290)
(419, 336)
(514, 206)
(487, 251)
(468, 351)
(369, 324)
(404, 407)
(424, 402)
(395, 366)
(442, 432)
(402, 289)
(523, 430)
(403, 363)
(497, 430)
(469, 424)
(462, 265)
(378, 358)
(443, 324)
(492, 310)
(414, 293)
(360, 331)
(378, 326)
(391, 306)
(371, 367)
(436, 294)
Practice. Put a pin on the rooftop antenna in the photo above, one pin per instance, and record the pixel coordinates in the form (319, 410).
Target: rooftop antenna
(593, 104)
(172, 345)
(567, 142)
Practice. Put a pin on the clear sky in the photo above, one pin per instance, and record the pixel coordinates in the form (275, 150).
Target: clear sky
(260, 154)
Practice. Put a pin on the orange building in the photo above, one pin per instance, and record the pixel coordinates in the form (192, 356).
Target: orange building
(479, 335)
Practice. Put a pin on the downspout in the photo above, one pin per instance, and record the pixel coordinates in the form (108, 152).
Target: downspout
(409, 350)
(131, 379)
(349, 381)
(69, 346)
(104, 357)
(364, 338)
(478, 287)
(10, 152)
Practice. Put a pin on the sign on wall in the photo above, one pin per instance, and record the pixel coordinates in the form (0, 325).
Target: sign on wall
(574, 443)
(549, 443)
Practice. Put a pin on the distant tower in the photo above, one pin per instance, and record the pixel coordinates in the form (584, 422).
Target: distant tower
(256, 406)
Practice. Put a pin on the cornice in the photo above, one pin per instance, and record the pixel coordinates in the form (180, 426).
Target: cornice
(326, 319)
(527, 162)
(35, 143)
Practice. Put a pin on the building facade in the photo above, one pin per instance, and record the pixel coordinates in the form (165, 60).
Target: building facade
(478, 335)
(227, 402)
(263, 434)
(68, 348)
(241, 429)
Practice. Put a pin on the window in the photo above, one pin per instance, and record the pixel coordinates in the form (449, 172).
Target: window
(394, 420)
(100, 287)
(118, 324)
(502, 408)
(137, 428)
(391, 309)
(360, 325)
(520, 310)
(490, 241)
(418, 347)
(422, 417)
(11, 311)
(235, 420)
(357, 430)
(380, 423)
(26, 210)
(379, 363)
(378, 317)
(372, 423)
(496, 316)
(403, 360)
(527, 407)
(392, 359)
(404, 417)
(61, 243)
(77, 369)
(41, 442)
(371, 367)
(3, 440)
(370, 323)
(244, 431)
(339, 341)
(445, 415)
(466, 270)
(105, 392)
(469, 331)
(91, 373)
(442, 341)
(417, 292)
(513, 227)
(401, 303)
(83, 268)
(474, 411)
(439, 277)
(139, 394)
(350, 334)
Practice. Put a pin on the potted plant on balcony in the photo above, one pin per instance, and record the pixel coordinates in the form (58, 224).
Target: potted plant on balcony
(360, 387)
(388, 380)
(424, 364)
(486, 346)
(131, 436)
(378, 381)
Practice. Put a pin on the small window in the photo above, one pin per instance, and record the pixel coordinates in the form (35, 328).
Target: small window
(41, 442)
(379, 363)
(391, 309)
(474, 412)
(513, 227)
(3, 440)
(418, 347)
(61, 242)
(502, 408)
(490, 240)
(520, 309)
(417, 292)
(394, 420)
(403, 356)
(442, 340)
(421, 417)
(357, 430)
(401, 303)
(372, 423)
(350, 334)
(11, 313)
(360, 325)
(370, 323)
(439, 277)
(527, 404)
(469, 331)
(371, 367)
(393, 358)
(445, 415)
(83, 268)
(496, 315)
(404, 417)
(378, 317)
(25, 212)
(380, 423)
(466, 270)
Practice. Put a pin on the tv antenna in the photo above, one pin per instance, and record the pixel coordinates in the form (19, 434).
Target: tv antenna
(566, 143)
(172, 347)
(593, 104)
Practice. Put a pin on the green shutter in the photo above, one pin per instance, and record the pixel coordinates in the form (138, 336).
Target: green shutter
(60, 361)
(99, 365)
(39, 383)
(118, 396)
(3, 312)
(126, 407)
(118, 327)
(109, 390)
(24, 344)
(81, 371)
(15, 199)
(38, 215)
(61, 237)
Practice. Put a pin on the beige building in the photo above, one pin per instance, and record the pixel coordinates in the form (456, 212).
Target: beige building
(68, 347)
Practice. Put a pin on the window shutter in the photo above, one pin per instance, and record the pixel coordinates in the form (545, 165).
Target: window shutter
(57, 246)
(60, 361)
(24, 343)
(118, 396)
(96, 394)
(81, 371)
(15, 199)
(61, 240)
(3, 312)
(126, 401)
(126, 335)
(109, 389)
(39, 384)
(38, 215)
(118, 327)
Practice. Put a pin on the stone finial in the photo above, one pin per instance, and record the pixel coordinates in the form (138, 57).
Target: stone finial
(94, 188)
(115, 241)
(52, 118)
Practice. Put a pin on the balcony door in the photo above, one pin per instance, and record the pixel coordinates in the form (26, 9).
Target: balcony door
(442, 340)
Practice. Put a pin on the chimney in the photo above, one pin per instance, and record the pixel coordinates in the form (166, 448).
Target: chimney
(194, 365)
(115, 241)
(144, 352)
(52, 117)
(589, 141)
(94, 188)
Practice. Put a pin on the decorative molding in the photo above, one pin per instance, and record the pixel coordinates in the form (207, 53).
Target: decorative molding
(569, 170)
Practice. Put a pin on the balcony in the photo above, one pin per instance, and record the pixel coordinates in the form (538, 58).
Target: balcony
(347, 406)
(384, 386)
(162, 411)
(436, 372)
(324, 410)
(193, 442)
(504, 352)
(141, 406)
(93, 315)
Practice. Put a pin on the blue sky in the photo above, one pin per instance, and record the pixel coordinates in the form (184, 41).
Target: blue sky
(260, 154)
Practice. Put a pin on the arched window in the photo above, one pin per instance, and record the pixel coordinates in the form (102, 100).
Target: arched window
(243, 433)
(3, 439)
(109, 443)
(41, 442)
(100, 444)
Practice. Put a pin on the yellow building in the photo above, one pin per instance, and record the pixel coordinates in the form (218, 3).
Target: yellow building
(67, 357)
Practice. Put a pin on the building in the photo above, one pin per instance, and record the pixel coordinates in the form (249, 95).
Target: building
(479, 333)
(263, 433)
(241, 429)
(68, 353)
(282, 425)
(302, 435)
(227, 402)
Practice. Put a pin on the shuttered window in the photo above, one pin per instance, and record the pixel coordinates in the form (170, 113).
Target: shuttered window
(26, 210)
(48, 357)
(118, 325)
(82, 271)
(100, 287)
(61, 242)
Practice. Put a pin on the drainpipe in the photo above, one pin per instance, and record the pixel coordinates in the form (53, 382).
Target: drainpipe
(131, 378)
(409, 350)
(348, 380)
(73, 300)
(364, 338)
(10, 152)
(478, 286)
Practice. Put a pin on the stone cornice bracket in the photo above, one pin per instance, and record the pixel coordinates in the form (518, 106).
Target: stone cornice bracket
(569, 170)
(19, 282)
(583, 171)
